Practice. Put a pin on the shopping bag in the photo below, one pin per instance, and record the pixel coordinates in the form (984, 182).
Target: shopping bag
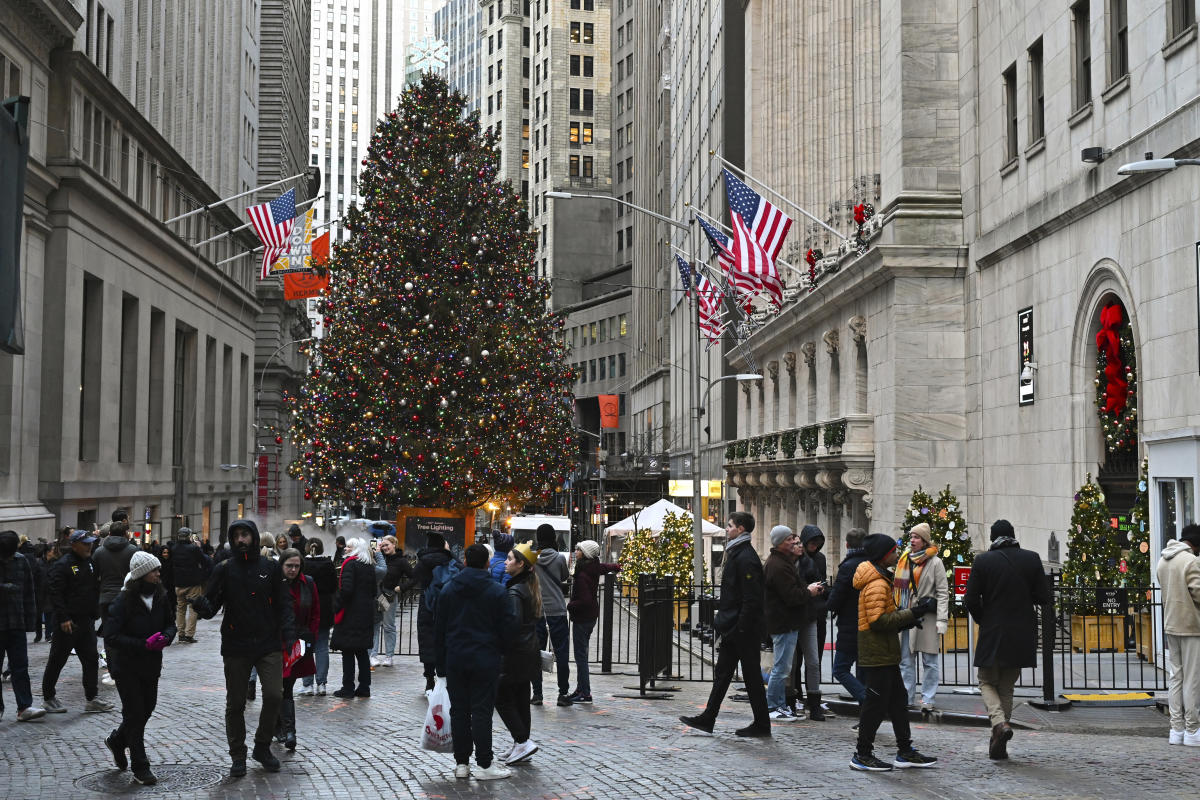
(547, 661)
(436, 734)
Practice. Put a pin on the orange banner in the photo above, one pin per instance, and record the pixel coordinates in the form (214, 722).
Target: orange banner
(320, 250)
(299, 285)
(610, 411)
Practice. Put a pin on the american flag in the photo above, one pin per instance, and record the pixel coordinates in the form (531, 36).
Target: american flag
(753, 260)
(744, 285)
(273, 223)
(685, 272)
(768, 224)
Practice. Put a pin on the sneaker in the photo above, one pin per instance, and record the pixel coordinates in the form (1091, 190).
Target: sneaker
(491, 773)
(238, 768)
(144, 776)
(263, 755)
(376, 660)
(118, 751)
(581, 698)
(52, 706)
(1192, 739)
(462, 771)
(97, 706)
(700, 723)
(564, 700)
(107, 680)
(503, 755)
(828, 711)
(536, 700)
(320, 690)
(523, 751)
(1176, 737)
(428, 694)
(782, 714)
(345, 694)
(928, 708)
(913, 759)
(30, 714)
(387, 661)
(754, 731)
(869, 763)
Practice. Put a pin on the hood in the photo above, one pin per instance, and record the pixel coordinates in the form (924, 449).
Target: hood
(249, 525)
(810, 532)
(1174, 548)
(866, 573)
(116, 543)
(547, 556)
(471, 580)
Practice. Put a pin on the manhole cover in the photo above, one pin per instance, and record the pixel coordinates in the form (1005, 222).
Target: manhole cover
(171, 778)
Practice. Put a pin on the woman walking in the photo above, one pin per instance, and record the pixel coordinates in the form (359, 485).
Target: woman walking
(354, 616)
(306, 606)
(396, 580)
(584, 610)
(140, 623)
(319, 567)
(521, 661)
(920, 574)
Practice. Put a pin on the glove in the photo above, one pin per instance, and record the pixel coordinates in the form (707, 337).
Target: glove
(926, 605)
(157, 642)
(942, 628)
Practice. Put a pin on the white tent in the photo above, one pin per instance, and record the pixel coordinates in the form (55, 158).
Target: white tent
(651, 517)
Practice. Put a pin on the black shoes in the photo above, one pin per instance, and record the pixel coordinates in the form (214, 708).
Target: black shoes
(238, 770)
(363, 693)
(565, 700)
(700, 723)
(344, 693)
(536, 700)
(755, 731)
(263, 755)
(815, 712)
(117, 750)
(144, 776)
(289, 742)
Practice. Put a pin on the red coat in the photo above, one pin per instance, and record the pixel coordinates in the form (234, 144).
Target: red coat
(308, 618)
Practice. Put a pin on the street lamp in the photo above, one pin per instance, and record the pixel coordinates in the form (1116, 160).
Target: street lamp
(620, 202)
(1157, 165)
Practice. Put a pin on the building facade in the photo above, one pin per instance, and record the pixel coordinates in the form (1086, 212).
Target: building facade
(457, 23)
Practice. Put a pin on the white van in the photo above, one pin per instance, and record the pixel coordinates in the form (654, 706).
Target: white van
(524, 529)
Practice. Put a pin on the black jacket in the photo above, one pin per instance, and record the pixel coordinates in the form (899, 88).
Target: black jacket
(1006, 587)
(18, 598)
(740, 608)
(427, 560)
(399, 573)
(354, 603)
(474, 623)
(785, 596)
(320, 569)
(521, 660)
(189, 564)
(74, 590)
(843, 597)
(258, 604)
(814, 569)
(129, 625)
(111, 560)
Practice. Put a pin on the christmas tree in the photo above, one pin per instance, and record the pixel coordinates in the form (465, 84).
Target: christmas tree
(1137, 562)
(638, 554)
(665, 552)
(946, 525)
(440, 381)
(1093, 552)
(1116, 381)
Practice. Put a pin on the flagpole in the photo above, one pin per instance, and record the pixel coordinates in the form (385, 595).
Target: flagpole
(766, 188)
(210, 206)
(260, 247)
(722, 227)
(248, 224)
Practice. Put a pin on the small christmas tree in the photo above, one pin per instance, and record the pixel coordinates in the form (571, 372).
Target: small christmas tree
(1093, 552)
(1116, 381)
(946, 525)
(1137, 563)
(638, 555)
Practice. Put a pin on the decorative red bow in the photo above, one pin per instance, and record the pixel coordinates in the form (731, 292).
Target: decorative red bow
(1116, 389)
(811, 258)
(860, 214)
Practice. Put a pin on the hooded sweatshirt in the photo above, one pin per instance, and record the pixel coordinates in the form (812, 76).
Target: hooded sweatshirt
(474, 620)
(1179, 575)
(112, 563)
(552, 574)
(814, 569)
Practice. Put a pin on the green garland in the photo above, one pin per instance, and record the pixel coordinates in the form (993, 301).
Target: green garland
(789, 443)
(808, 439)
(1119, 429)
(835, 434)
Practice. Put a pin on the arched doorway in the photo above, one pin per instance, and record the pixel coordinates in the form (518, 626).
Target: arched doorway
(1114, 356)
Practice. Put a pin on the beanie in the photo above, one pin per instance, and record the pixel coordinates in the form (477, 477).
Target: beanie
(140, 565)
(503, 542)
(921, 529)
(878, 545)
(778, 534)
(1002, 527)
(589, 548)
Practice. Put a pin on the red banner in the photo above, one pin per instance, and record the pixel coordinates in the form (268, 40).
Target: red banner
(261, 478)
(961, 574)
(299, 285)
(610, 411)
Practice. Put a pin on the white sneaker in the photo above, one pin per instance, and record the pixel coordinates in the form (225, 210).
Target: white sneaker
(107, 680)
(376, 660)
(522, 751)
(462, 771)
(782, 714)
(320, 690)
(1176, 737)
(1191, 739)
(386, 661)
(495, 772)
(503, 755)
(428, 694)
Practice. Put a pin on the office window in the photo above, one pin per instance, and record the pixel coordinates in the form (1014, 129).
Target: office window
(592, 330)
(587, 133)
(589, 5)
(491, 45)
(621, 365)
(1181, 16)
(525, 129)
(499, 69)
(524, 159)
(576, 32)
(524, 67)
(620, 240)
(489, 104)
(525, 37)
(491, 74)
(573, 168)
(588, 66)
(621, 324)
(612, 366)
(587, 166)
(575, 60)
(574, 99)
(1118, 39)
(525, 97)
(573, 136)
(587, 33)
(1081, 63)
(587, 99)
(592, 369)
(602, 375)
(1010, 113)
(1037, 94)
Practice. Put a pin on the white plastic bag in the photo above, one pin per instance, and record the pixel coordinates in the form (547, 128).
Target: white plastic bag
(436, 734)
(548, 660)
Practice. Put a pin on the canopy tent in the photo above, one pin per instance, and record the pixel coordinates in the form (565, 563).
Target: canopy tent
(651, 517)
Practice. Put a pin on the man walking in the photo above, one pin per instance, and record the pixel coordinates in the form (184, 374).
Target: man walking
(191, 568)
(74, 594)
(258, 626)
(552, 575)
(1178, 574)
(785, 608)
(111, 560)
(472, 618)
(1006, 587)
(843, 602)
(739, 624)
(18, 614)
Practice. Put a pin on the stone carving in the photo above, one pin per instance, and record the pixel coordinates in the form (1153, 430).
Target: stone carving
(789, 361)
(773, 370)
(858, 328)
(809, 351)
(858, 480)
(783, 480)
(832, 341)
(745, 388)
(829, 479)
(805, 479)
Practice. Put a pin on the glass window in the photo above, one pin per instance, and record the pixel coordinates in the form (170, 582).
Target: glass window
(575, 65)
(621, 322)
(612, 366)
(587, 166)
(573, 137)
(587, 99)
(576, 32)
(621, 363)
(592, 369)
(573, 169)
(588, 66)
(592, 328)
(602, 373)
(587, 133)
(587, 32)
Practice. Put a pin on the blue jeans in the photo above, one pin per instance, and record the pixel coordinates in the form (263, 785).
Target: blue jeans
(387, 624)
(581, 634)
(321, 656)
(12, 645)
(930, 672)
(784, 647)
(843, 659)
(558, 637)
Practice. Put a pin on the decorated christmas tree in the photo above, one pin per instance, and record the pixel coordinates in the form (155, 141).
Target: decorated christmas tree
(946, 524)
(1116, 381)
(639, 554)
(1093, 552)
(440, 381)
(665, 552)
(1137, 562)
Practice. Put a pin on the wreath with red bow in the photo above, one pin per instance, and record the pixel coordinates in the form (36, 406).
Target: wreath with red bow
(811, 258)
(1116, 384)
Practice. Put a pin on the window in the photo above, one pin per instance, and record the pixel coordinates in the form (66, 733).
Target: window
(524, 159)
(587, 166)
(525, 129)
(1081, 64)
(587, 33)
(491, 45)
(491, 75)
(573, 169)
(1118, 40)
(576, 32)
(1182, 16)
(489, 104)
(575, 65)
(592, 369)
(588, 66)
(525, 37)
(1037, 94)
(587, 133)
(621, 323)
(620, 240)
(574, 99)
(621, 364)
(589, 5)
(573, 137)
(1010, 113)
(612, 366)
(525, 97)
(592, 329)
(587, 99)
(524, 67)
(602, 375)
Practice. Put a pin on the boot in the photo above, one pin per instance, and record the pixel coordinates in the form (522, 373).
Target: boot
(998, 746)
(815, 712)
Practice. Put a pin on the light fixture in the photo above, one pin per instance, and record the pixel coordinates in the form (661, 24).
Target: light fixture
(560, 195)
(1094, 155)
(1152, 164)
(1028, 370)
(228, 467)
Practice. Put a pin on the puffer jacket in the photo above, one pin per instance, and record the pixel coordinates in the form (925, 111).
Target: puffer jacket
(879, 621)
(1179, 576)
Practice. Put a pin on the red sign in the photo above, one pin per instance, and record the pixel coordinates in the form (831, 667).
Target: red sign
(262, 473)
(961, 574)
(299, 285)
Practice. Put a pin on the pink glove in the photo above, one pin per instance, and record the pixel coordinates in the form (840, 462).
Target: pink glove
(157, 642)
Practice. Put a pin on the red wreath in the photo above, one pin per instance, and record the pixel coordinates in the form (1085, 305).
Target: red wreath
(1108, 342)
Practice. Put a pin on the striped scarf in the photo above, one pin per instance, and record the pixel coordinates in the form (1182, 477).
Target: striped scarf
(908, 573)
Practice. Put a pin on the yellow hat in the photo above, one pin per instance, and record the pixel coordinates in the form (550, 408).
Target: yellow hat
(526, 553)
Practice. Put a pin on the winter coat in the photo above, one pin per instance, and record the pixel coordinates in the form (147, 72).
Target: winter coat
(522, 661)
(190, 565)
(552, 574)
(1178, 574)
(740, 607)
(1006, 587)
(127, 627)
(427, 560)
(584, 605)
(814, 569)
(496, 568)
(324, 576)
(399, 573)
(843, 597)
(18, 599)
(474, 623)
(785, 596)
(258, 615)
(932, 583)
(879, 621)
(306, 607)
(354, 607)
(41, 582)
(111, 560)
(74, 590)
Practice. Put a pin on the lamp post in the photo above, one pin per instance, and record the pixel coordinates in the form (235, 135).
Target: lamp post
(1156, 165)
(620, 202)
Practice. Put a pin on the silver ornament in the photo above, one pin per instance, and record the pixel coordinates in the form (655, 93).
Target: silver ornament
(408, 287)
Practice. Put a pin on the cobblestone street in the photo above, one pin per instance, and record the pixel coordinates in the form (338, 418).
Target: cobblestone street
(616, 748)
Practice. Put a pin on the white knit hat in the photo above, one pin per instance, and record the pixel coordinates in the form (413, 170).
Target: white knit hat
(141, 564)
(589, 548)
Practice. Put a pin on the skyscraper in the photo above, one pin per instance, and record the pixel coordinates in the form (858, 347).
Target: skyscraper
(457, 23)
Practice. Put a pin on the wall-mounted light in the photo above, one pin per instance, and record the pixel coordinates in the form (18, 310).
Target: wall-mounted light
(1028, 370)
(1094, 155)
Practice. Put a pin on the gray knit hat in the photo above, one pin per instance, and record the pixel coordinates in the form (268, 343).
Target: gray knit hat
(778, 534)
(140, 565)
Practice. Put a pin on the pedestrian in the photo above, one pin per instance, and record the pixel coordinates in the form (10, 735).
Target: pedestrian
(281, 544)
(1178, 574)
(18, 614)
(810, 646)
(879, 624)
(843, 602)
(521, 659)
(553, 627)
(296, 539)
(190, 568)
(354, 617)
(163, 553)
(472, 624)
(139, 624)
(497, 565)
(584, 610)
(258, 626)
(111, 561)
(339, 550)
(739, 624)
(920, 574)
(74, 592)
(434, 563)
(397, 579)
(319, 567)
(306, 608)
(40, 564)
(1004, 592)
(785, 610)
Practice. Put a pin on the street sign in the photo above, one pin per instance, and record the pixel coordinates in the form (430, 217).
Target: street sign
(961, 574)
(1112, 600)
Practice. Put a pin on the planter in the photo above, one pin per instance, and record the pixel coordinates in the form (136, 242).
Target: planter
(1093, 634)
(955, 638)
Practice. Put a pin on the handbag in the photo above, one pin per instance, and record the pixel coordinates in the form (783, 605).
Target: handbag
(382, 602)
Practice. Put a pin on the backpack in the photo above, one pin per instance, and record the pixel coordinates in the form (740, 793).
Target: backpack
(441, 575)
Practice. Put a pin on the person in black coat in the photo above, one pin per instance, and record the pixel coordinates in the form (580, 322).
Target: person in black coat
(396, 580)
(1004, 593)
(140, 622)
(521, 660)
(354, 617)
(843, 602)
(433, 555)
(190, 568)
(74, 592)
(40, 563)
(320, 568)
(740, 622)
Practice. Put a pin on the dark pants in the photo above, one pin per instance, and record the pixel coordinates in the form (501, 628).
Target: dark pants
(83, 641)
(843, 662)
(559, 639)
(12, 646)
(734, 650)
(349, 657)
(581, 634)
(801, 671)
(512, 704)
(886, 695)
(472, 700)
(139, 696)
(287, 708)
(237, 683)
